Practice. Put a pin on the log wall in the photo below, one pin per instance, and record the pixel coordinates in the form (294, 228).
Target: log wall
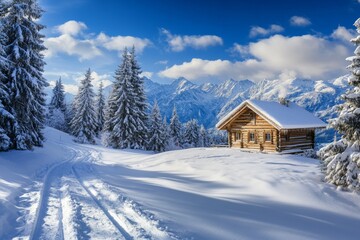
(249, 122)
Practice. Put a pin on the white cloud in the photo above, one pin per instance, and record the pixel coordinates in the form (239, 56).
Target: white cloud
(256, 30)
(147, 74)
(343, 33)
(69, 42)
(299, 21)
(178, 43)
(118, 43)
(242, 50)
(84, 49)
(71, 27)
(304, 56)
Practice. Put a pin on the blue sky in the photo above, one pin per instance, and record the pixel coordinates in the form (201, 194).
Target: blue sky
(200, 40)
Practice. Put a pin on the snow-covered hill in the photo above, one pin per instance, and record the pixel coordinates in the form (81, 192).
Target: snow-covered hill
(72, 191)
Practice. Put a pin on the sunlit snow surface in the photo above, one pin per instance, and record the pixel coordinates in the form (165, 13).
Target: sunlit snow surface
(70, 191)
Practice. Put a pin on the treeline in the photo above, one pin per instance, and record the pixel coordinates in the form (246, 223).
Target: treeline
(124, 120)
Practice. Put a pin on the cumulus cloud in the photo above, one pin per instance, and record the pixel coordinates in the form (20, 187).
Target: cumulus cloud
(299, 21)
(84, 49)
(343, 34)
(178, 43)
(71, 27)
(304, 56)
(260, 31)
(242, 50)
(72, 43)
(118, 43)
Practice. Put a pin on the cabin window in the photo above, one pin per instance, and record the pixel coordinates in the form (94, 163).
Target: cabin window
(268, 137)
(252, 137)
(237, 136)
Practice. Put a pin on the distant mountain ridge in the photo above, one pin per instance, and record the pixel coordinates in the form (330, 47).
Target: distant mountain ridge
(209, 102)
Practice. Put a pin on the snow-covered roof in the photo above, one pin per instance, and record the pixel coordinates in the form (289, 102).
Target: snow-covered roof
(284, 117)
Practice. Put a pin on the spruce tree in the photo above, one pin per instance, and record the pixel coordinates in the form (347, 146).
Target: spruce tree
(140, 116)
(24, 77)
(341, 159)
(121, 121)
(166, 133)
(156, 131)
(100, 110)
(84, 123)
(203, 137)
(175, 128)
(6, 118)
(191, 133)
(57, 108)
(58, 98)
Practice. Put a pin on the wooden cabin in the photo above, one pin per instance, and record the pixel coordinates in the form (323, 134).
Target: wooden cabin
(270, 126)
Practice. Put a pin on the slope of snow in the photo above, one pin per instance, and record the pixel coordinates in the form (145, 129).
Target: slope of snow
(84, 191)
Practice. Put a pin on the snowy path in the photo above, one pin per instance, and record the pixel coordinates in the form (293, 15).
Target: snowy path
(74, 203)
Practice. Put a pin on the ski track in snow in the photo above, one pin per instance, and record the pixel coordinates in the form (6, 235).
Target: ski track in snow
(74, 203)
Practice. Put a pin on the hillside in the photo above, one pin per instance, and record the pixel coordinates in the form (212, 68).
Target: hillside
(96, 192)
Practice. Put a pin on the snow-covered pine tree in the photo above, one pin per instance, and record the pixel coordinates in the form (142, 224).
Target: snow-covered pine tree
(341, 159)
(203, 137)
(57, 108)
(25, 73)
(84, 122)
(166, 133)
(191, 133)
(6, 118)
(121, 117)
(100, 109)
(58, 98)
(157, 142)
(140, 115)
(175, 128)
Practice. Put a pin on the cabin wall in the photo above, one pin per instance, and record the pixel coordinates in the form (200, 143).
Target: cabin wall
(297, 139)
(249, 123)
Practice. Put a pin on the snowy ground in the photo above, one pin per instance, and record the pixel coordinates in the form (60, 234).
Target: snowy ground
(71, 191)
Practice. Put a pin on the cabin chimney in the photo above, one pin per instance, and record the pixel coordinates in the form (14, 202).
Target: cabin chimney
(284, 101)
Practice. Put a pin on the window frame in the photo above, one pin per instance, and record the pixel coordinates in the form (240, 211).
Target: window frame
(252, 134)
(237, 136)
(270, 137)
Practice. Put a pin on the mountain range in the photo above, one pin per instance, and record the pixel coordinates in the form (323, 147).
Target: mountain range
(210, 102)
